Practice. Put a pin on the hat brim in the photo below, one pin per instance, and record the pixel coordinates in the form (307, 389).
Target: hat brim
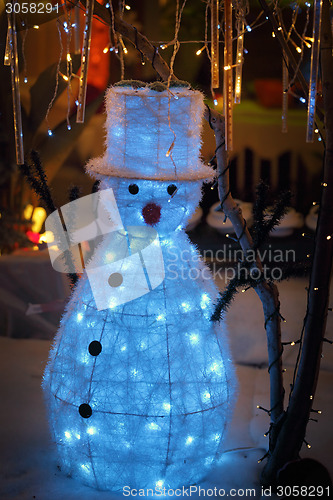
(100, 166)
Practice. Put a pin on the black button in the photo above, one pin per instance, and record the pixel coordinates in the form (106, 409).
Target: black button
(85, 410)
(95, 348)
(133, 189)
(171, 189)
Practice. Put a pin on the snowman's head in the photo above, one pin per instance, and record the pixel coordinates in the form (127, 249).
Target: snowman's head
(165, 205)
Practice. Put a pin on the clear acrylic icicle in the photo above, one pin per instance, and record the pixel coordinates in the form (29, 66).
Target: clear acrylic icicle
(15, 80)
(285, 84)
(239, 60)
(6, 60)
(85, 62)
(77, 30)
(314, 70)
(227, 80)
(214, 17)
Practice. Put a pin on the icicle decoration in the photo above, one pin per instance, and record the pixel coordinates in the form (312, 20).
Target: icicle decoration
(227, 81)
(314, 70)
(77, 29)
(14, 68)
(6, 60)
(214, 19)
(285, 84)
(239, 60)
(85, 62)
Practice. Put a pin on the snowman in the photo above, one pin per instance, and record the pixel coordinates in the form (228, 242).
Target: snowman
(139, 390)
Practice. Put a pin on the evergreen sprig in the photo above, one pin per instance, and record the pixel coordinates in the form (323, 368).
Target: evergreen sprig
(262, 226)
(36, 177)
(264, 223)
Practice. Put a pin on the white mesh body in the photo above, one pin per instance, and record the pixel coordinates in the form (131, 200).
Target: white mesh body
(160, 390)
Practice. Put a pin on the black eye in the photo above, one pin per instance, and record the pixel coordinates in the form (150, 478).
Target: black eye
(171, 189)
(133, 189)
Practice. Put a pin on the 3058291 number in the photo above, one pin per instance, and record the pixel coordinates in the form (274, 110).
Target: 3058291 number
(302, 491)
(31, 7)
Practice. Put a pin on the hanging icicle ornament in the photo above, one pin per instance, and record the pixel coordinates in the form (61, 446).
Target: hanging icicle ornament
(285, 86)
(77, 29)
(215, 37)
(11, 58)
(227, 80)
(7, 56)
(239, 60)
(85, 62)
(139, 383)
(314, 70)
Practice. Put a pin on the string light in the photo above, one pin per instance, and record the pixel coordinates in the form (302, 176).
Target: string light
(307, 444)
(36, 27)
(127, 7)
(198, 52)
(123, 45)
(50, 133)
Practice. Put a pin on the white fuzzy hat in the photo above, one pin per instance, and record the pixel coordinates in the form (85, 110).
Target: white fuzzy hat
(145, 123)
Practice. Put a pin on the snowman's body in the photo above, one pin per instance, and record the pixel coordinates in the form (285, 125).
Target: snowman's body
(139, 394)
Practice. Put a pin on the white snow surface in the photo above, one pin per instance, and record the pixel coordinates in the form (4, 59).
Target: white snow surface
(28, 461)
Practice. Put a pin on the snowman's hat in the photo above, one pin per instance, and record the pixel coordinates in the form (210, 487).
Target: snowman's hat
(152, 132)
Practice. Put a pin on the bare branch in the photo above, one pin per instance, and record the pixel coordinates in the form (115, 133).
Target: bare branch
(267, 293)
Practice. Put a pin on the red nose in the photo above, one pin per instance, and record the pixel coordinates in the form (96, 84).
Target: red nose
(151, 213)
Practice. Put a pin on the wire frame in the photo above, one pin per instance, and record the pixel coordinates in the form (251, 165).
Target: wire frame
(314, 70)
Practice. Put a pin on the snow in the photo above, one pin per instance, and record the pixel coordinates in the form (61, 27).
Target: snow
(28, 462)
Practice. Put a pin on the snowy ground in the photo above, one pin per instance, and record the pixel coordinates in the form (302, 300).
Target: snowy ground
(28, 463)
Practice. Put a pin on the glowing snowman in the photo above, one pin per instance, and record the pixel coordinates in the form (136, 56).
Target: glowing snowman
(139, 393)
